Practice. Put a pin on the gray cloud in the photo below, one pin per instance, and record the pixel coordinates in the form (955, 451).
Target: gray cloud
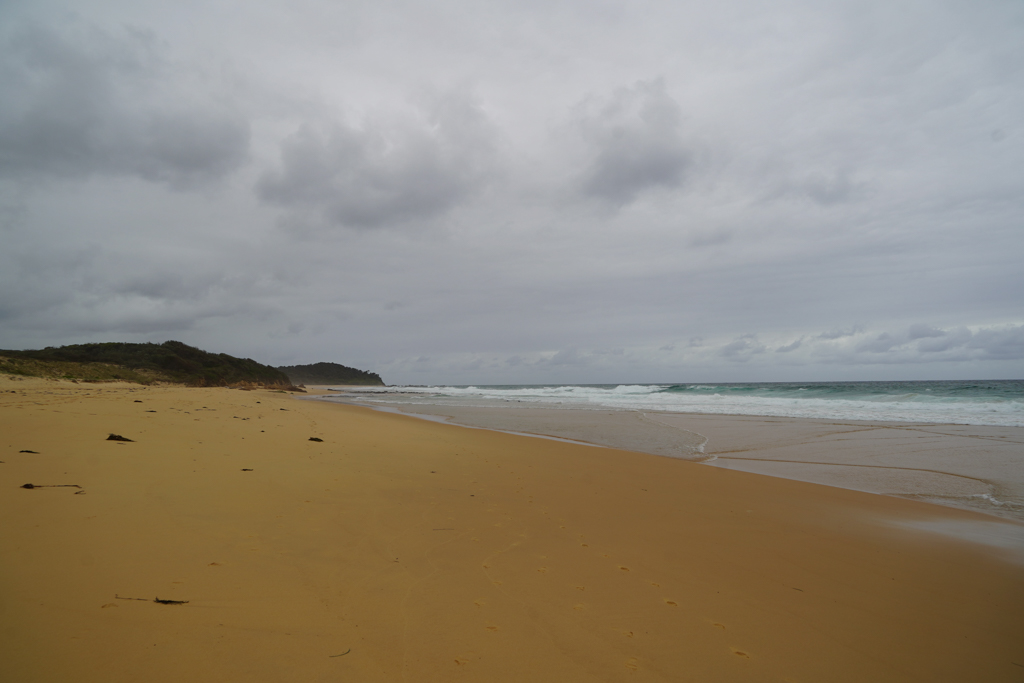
(839, 169)
(832, 189)
(742, 348)
(1006, 343)
(386, 172)
(881, 343)
(921, 331)
(570, 356)
(720, 358)
(838, 333)
(937, 341)
(635, 142)
(166, 285)
(93, 102)
(793, 346)
(925, 343)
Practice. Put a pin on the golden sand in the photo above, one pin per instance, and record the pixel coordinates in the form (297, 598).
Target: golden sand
(973, 467)
(399, 549)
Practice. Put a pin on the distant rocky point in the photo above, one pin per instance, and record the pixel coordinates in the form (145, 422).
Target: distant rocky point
(330, 373)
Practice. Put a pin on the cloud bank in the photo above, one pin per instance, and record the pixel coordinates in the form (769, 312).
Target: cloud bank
(102, 103)
(381, 174)
(510, 193)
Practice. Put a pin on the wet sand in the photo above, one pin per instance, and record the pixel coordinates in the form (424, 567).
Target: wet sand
(402, 549)
(967, 466)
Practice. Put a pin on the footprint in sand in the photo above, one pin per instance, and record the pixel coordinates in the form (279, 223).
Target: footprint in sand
(492, 628)
(721, 626)
(460, 662)
(625, 569)
(632, 664)
(739, 653)
(671, 603)
(543, 570)
(479, 602)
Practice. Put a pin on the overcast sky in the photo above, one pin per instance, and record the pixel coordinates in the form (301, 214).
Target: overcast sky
(521, 191)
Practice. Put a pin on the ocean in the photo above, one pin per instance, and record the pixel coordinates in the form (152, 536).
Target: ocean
(975, 402)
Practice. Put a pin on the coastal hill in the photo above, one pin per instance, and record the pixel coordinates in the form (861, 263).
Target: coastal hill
(330, 373)
(171, 361)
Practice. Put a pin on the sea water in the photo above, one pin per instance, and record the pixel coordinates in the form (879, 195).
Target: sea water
(983, 402)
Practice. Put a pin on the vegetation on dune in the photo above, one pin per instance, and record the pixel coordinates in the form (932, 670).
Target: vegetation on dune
(330, 373)
(171, 361)
(88, 372)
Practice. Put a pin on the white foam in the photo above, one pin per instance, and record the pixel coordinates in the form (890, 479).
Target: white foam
(908, 407)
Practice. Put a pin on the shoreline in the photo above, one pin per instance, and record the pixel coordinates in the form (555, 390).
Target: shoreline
(295, 541)
(972, 467)
(937, 402)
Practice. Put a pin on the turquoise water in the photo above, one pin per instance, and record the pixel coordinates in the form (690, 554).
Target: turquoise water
(982, 402)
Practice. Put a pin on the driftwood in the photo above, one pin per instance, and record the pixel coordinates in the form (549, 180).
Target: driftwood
(49, 486)
(28, 451)
(118, 437)
(156, 600)
(313, 438)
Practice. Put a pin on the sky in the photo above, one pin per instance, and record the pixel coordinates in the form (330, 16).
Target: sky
(521, 192)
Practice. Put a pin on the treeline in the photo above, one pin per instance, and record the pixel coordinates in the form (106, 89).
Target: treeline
(171, 361)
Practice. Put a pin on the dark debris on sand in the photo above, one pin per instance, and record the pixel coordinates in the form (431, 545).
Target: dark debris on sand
(49, 486)
(157, 600)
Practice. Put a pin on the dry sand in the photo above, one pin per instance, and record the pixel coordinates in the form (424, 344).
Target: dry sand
(400, 549)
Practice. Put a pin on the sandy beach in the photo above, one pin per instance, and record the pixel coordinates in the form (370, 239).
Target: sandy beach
(400, 549)
(975, 467)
